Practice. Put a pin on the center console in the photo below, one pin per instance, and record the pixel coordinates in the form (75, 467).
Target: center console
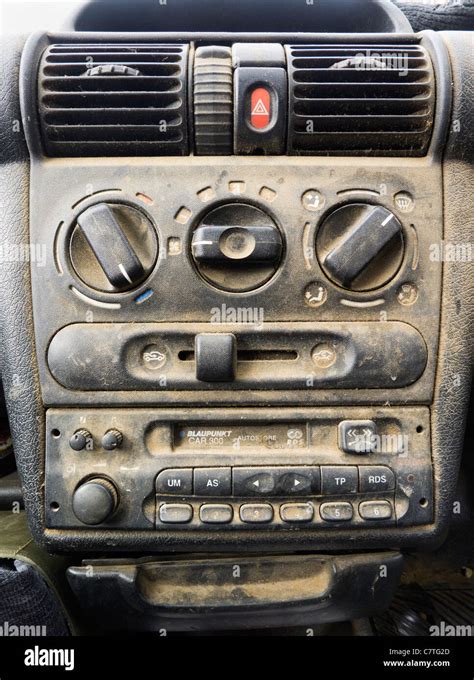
(238, 297)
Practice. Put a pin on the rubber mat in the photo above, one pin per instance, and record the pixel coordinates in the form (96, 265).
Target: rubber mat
(416, 611)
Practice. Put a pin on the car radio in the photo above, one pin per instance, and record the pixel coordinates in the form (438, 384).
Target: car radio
(231, 469)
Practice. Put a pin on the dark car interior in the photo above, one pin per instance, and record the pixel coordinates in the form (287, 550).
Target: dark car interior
(236, 319)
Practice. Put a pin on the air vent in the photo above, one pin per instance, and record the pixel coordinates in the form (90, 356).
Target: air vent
(360, 100)
(114, 100)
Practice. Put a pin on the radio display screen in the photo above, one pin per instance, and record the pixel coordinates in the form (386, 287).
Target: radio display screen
(237, 435)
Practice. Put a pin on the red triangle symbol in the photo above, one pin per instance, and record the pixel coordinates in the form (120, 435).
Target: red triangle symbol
(260, 109)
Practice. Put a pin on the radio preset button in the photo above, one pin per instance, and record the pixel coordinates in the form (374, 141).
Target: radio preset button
(175, 513)
(336, 512)
(216, 514)
(253, 513)
(339, 479)
(297, 512)
(213, 481)
(178, 481)
(375, 510)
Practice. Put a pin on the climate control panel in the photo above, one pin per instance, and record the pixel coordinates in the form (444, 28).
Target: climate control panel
(260, 284)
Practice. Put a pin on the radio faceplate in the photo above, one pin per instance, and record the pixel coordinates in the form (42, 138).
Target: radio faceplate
(233, 469)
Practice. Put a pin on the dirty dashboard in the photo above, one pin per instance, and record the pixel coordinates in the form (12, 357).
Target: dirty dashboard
(243, 327)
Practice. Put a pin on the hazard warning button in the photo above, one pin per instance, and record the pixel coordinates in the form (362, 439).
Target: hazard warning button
(260, 108)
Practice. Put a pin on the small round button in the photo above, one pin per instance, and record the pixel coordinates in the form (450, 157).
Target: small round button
(154, 356)
(407, 294)
(237, 243)
(315, 294)
(313, 200)
(112, 439)
(404, 201)
(95, 501)
(80, 439)
(324, 355)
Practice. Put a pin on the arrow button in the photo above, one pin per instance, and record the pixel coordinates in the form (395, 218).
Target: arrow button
(357, 436)
(261, 484)
(295, 483)
(297, 480)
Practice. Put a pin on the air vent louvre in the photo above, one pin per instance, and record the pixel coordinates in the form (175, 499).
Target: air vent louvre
(114, 100)
(360, 100)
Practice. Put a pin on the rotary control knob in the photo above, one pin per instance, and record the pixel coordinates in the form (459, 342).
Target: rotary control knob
(213, 101)
(360, 247)
(80, 440)
(113, 247)
(95, 501)
(237, 247)
(112, 439)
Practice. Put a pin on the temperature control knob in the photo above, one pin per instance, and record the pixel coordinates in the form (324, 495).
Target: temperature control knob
(360, 247)
(113, 247)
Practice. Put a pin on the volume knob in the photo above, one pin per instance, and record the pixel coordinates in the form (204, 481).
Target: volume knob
(360, 247)
(95, 501)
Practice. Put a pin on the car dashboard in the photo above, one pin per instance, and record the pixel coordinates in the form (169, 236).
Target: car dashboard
(240, 324)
